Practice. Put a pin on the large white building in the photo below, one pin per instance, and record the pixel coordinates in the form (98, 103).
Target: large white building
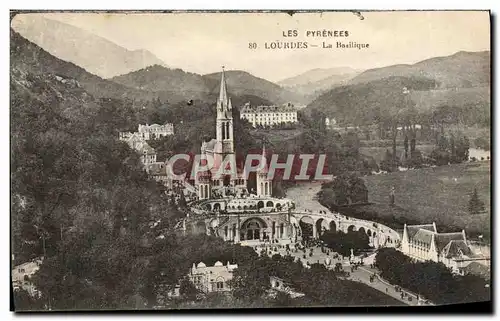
(269, 115)
(212, 278)
(156, 131)
(424, 243)
(147, 132)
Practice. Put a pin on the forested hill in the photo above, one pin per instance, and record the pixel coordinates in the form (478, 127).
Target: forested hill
(367, 102)
(69, 173)
(374, 101)
(177, 85)
(459, 82)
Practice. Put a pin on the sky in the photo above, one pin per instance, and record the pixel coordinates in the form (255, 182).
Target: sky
(203, 42)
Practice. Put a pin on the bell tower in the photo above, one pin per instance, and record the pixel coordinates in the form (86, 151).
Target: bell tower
(224, 123)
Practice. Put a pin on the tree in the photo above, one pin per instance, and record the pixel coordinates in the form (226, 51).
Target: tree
(342, 243)
(23, 301)
(476, 206)
(432, 280)
(187, 290)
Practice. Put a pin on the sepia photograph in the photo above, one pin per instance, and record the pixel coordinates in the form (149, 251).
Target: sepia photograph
(263, 160)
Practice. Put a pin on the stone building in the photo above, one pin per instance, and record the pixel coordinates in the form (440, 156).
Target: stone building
(212, 278)
(216, 181)
(137, 142)
(149, 132)
(269, 115)
(155, 131)
(22, 274)
(424, 243)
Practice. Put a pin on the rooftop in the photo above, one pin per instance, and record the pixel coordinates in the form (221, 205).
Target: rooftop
(247, 108)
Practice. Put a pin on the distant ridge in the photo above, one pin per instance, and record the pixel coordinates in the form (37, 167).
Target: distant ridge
(95, 54)
(314, 82)
(462, 69)
(176, 82)
(458, 80)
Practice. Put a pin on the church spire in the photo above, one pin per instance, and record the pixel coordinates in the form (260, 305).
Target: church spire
(224, 101)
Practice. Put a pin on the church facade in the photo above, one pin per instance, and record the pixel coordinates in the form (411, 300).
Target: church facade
(226, 178)
(225, 208)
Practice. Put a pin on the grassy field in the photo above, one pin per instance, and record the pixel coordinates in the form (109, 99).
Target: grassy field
(439, 194)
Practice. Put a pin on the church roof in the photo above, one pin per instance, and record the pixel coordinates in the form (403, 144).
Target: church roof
(456, 248)
(423, 236)
(146, 149)
(442, 239)
(477, 269)
(413, 229)
(285, 108)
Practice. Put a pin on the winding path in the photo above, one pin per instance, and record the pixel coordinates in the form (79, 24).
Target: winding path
(304, 196)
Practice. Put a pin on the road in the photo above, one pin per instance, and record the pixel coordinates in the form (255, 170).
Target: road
(304, 197)
(361, 274)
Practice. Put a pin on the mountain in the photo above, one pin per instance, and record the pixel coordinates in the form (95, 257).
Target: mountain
(95, 54)
(461, 80)
(366, 102)
(243, 83)
(317, 74)
(314, 82)
(28, 57)
(460, 70)
(176, 84)
(168, 84)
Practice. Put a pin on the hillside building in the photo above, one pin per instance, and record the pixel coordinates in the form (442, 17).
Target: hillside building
(269, 115)
(424, 243)
(22, 274)
(149, 132)
(212, 278)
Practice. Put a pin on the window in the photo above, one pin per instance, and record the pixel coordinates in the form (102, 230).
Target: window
(220, 285)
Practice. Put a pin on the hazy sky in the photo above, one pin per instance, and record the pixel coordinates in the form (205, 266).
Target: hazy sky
(203, 42)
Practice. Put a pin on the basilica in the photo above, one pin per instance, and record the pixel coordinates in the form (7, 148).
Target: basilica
(224, 206)
(221, 150)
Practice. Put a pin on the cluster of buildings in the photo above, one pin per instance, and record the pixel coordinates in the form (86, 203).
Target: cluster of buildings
(268, 116)
(138, 140)
(22, 274)
(212, 278)
(425, 243)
